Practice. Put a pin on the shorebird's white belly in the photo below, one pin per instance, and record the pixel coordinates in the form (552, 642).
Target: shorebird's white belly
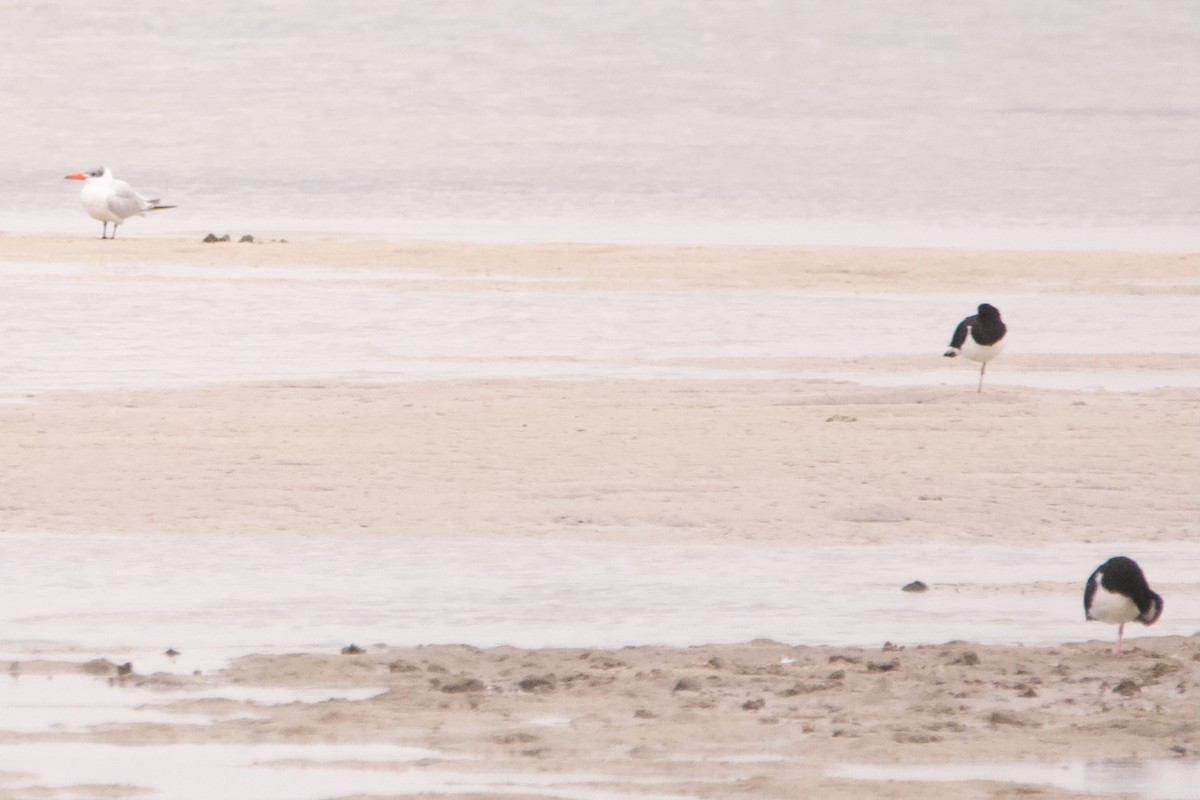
(981, 352)
(95, 202)
(1113, 608)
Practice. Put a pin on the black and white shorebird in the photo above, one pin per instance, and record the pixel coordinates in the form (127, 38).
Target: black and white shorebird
(979, 337)
(1117, 593)
(110, 200)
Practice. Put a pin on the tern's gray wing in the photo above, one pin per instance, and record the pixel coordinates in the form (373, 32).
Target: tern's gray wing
(125, 202)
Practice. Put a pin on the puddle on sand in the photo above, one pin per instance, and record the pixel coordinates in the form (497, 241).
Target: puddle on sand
(549, 721)
(748, 758)
(281, 772)
(147, 661)
(73, 703)
(1146, 780)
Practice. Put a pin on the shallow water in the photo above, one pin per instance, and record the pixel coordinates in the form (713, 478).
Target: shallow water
(61, 704)
(75, 703)
(255, 771)
(72, 703)
(1146, 780)
(212, 598)
(912, 122)
(100, 334)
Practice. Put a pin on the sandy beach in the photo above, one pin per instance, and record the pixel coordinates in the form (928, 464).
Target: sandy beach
(675, 461)
(666, 267)
(721, 461)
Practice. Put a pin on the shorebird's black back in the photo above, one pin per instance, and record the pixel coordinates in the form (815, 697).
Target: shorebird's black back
(1123, 576)
(986, 327)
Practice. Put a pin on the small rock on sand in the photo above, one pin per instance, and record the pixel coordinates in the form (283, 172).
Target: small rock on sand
(464, 686)
(538, 683)
(99, 666)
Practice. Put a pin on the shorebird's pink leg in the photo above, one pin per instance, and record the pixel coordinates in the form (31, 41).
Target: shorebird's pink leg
(1120, 639)
(982, 369)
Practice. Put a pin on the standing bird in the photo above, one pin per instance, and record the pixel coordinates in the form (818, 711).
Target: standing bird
(111, 200)
(1117, 593)
(979, 337)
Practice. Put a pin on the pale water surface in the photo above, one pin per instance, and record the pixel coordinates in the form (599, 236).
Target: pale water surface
(63, 329)
(1060, 124)
(132, 597)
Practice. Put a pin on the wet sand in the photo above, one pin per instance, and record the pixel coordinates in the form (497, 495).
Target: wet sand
(620, 267)
(676, 461)
(688, 461)
(762, 719)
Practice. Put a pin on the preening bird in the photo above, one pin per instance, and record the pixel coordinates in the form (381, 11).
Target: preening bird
(111, 200)
(979, 337)
(1117, 593)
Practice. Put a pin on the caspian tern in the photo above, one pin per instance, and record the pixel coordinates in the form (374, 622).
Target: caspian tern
(111, 200)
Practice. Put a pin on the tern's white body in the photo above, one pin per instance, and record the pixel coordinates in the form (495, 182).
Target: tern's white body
(111, 200)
